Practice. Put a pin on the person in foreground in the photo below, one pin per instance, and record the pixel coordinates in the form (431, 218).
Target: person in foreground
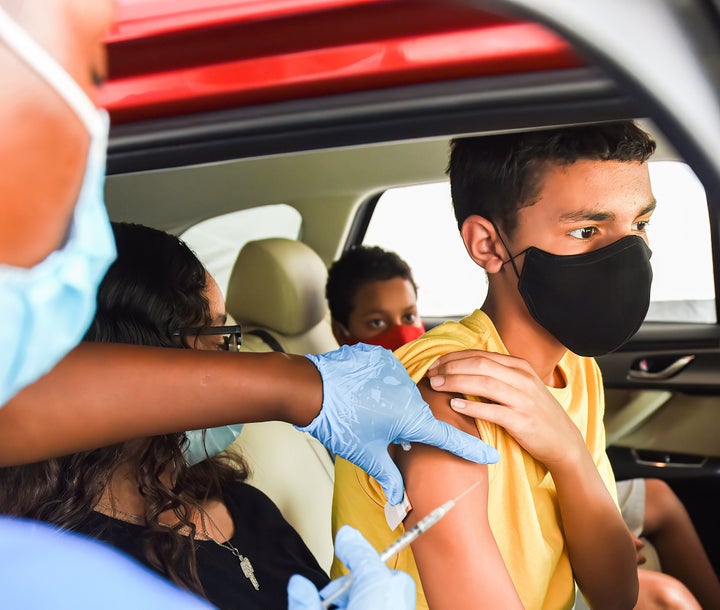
(77, 572)
(557, 219)
(55, 246)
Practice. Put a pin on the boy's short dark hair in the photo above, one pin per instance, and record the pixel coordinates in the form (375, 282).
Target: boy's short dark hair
(356, 267)
(494, 176)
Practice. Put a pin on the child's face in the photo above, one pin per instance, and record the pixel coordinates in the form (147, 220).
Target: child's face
(586, 206)
(380, 305)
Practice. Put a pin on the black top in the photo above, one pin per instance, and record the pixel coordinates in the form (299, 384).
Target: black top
(274, 548)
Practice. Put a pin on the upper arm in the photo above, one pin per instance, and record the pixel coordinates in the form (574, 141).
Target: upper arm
(458, 560)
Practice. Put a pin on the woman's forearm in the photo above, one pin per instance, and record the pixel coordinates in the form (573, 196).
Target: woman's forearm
(599, 544)
(102, 394)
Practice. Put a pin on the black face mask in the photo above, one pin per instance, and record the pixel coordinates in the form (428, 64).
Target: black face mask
(594, 302)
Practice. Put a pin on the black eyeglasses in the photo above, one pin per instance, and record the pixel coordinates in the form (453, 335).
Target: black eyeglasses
(232, 335)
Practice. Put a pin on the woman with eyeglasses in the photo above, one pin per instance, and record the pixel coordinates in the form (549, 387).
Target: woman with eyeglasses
(159, 499)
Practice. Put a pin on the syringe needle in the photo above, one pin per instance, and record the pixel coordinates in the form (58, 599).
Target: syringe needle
(466, 492)
(404, 540)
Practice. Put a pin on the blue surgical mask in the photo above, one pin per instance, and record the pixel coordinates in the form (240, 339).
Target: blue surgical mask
(216, 440)
(46, 309)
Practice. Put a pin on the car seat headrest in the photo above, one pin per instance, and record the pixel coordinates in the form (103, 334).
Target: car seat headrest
(278, 284)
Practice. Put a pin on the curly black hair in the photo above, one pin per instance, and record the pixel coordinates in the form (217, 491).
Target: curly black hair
(155, 287)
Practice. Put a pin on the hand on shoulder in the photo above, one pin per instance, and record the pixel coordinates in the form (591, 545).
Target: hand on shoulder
(514, 397)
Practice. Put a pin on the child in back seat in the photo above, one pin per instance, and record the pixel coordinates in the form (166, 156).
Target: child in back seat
(372, 298)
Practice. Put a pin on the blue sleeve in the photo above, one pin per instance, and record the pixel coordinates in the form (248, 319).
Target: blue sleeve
(43, 567)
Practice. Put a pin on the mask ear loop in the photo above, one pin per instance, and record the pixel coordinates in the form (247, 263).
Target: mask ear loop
(511, 260)
(37, 58)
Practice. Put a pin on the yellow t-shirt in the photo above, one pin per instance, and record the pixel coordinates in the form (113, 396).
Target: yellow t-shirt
(522, 500)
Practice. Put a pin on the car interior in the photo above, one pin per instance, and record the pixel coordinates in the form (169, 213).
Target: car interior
(277, 286)
(326, 163)
(276, 291)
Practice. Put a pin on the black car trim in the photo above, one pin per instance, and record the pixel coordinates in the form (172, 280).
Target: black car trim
(428, 110)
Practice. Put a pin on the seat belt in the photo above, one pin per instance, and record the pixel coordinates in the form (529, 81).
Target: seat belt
(267, 338)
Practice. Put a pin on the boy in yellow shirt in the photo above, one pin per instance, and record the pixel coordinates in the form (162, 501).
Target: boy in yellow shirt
(557, 219)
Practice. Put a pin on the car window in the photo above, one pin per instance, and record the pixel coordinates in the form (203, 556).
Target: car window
(683, 285)
(217, 241)
(450, 284)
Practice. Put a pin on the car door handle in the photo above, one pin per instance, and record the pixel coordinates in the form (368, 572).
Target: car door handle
(660, 459)
(642, 370)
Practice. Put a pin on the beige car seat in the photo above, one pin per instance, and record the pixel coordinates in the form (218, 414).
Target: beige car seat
(278, 286)
(277, 289)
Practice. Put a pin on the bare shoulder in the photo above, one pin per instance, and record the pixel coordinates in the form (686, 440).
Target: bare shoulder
(457, 559)
(432, 475)
(440, 405)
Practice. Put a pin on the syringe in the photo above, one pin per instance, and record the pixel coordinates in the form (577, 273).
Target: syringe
(407, 538)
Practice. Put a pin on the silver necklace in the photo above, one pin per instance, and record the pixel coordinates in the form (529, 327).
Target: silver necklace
(245, 564)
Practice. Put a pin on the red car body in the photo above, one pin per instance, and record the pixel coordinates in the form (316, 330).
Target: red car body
(185, 56)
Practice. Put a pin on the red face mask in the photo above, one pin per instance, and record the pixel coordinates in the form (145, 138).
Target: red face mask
(394, 337)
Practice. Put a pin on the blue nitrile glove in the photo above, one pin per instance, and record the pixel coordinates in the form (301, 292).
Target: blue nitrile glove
(369, 401)
(375, 586)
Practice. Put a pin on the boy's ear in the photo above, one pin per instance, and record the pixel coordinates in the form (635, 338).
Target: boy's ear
(483, 244)
(341, 335)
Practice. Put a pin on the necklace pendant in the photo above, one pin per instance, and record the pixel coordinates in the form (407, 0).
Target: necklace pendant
(249, 572)
(245, 565)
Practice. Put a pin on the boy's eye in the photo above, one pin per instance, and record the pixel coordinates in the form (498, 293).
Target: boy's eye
(583, 233)
(377, 323)
(641, 225)
(409, 318)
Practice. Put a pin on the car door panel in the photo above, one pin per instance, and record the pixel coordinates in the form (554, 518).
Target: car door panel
(663, 394)
(666, 425)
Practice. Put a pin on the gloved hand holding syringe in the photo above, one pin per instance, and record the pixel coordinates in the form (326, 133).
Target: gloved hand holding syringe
(407, 538)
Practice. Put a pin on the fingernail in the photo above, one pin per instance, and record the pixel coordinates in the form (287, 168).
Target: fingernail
(437, 381)
(457, 404)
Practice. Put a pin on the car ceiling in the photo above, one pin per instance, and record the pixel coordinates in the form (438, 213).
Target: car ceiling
(325, 186)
